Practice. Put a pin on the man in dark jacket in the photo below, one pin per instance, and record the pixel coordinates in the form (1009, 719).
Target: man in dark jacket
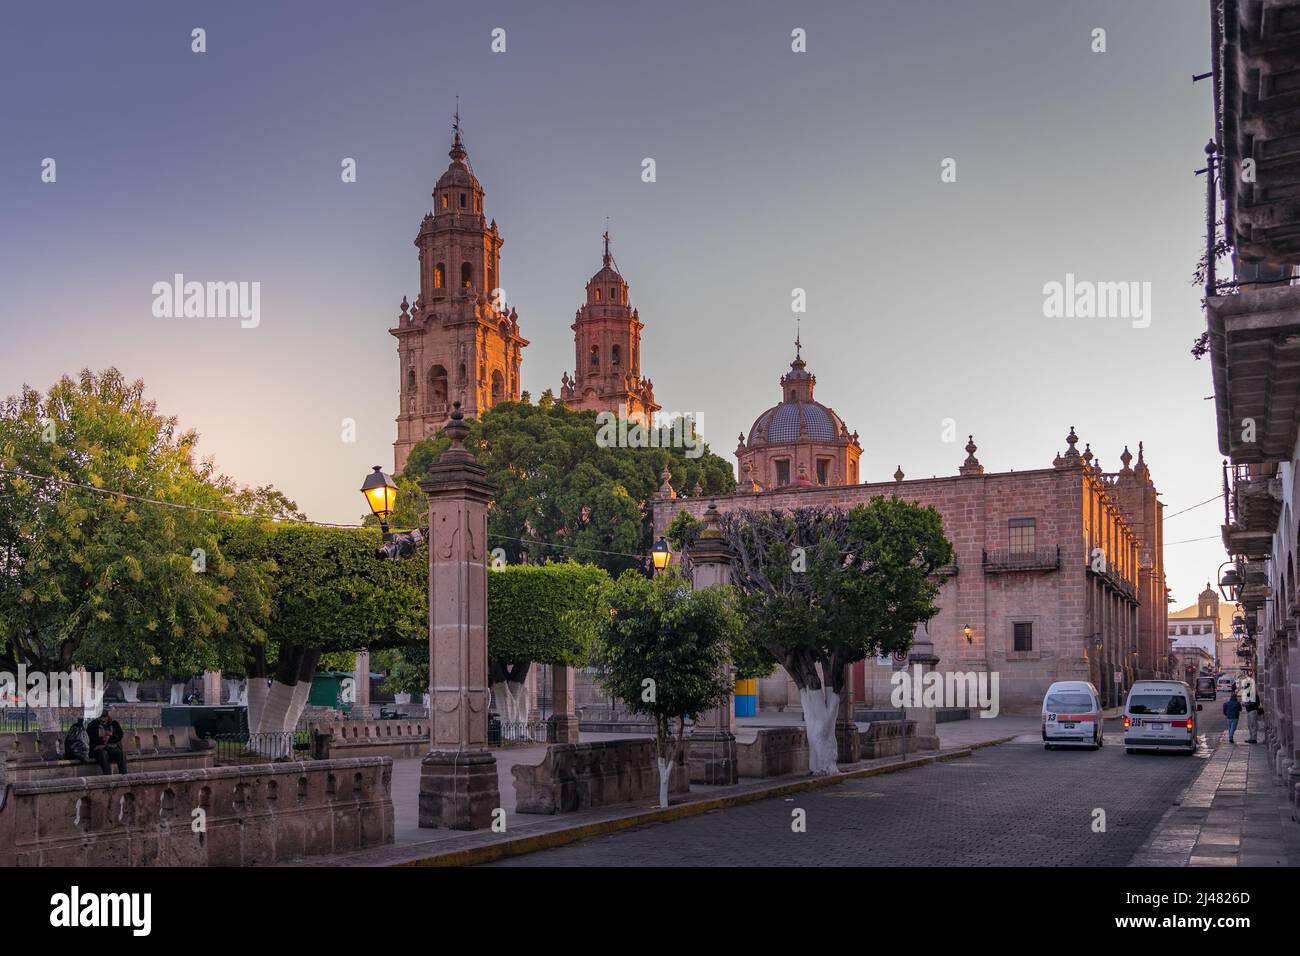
(1232, 710)
(106, 743)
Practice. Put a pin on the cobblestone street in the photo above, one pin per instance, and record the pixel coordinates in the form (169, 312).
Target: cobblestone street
(1009, 805)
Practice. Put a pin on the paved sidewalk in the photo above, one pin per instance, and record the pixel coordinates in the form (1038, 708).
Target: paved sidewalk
(1234, 814)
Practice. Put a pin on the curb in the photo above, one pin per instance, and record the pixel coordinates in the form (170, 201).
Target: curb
(473, 856)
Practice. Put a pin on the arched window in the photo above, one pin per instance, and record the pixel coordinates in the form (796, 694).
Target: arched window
(439, 276)
(595, 356)
(437, 385)
(444, 200)
(613, 295)
(597, 295)
(498, 386)
(466, 275)
(410, 378)
(614, 356)
(462, 200)
(461, 373)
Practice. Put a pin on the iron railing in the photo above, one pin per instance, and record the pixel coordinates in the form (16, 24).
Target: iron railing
(22, 720)
(1042, 559)
(508, 733)
(255, 748)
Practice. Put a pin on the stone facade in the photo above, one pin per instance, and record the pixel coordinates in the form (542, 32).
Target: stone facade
(799, 441)
(607, 350)
(1047, 576)
(460, 341)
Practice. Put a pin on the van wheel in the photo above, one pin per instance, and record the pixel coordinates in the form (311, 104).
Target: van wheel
(1128, 750)
(1047, 746)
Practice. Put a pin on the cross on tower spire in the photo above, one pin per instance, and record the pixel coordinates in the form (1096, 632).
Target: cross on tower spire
(798, 320)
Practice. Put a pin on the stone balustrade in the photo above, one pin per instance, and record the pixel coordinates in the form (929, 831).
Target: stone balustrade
(37, 755)
(580, 776)
(370, 738)
(884, 738)
(222, 816)
(774, 752)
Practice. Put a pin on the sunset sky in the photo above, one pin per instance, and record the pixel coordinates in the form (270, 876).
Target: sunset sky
(775, 170)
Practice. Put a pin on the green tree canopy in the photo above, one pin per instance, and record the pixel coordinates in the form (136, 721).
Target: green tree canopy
(557, 485)
(92, 575)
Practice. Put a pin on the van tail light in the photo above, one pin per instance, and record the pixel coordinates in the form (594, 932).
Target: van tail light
(1188, 725)
(1127, 723)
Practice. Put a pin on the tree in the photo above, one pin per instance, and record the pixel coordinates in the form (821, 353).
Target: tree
(560, 494)
(823, 589)
(535, 617)
(663, 649)
(93, 575)
(328, 593)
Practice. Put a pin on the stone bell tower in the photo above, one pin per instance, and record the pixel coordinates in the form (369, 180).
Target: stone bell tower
(607, 342)
(460, 342)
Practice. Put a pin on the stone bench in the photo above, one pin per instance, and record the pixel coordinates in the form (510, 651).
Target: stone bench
(574, 777)
(774, 752)
(370, 738)
(38, 755)
(884, 738)
(251, 815)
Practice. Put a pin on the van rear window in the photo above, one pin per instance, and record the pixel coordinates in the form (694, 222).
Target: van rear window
(1172, 704)
(1068, 701)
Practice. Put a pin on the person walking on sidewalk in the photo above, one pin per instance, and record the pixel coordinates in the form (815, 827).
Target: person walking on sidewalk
(1253, 712)
(1232, 710)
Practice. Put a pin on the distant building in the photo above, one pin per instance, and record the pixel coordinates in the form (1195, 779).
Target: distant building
(1206, 625)
(1058, 571)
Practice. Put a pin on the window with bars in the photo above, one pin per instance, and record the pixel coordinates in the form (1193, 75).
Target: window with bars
(1020, 532)
(1022, 637)
(782, 473)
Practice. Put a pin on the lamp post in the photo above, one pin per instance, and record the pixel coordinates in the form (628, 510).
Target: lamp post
(660, 554)
(967, 631)
(1230, 582)
(381, 494)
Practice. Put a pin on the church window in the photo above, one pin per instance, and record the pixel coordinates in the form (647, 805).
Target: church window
(1020, 532)
(823, 471)
(614, 356)
(595, 356)
(462, 200)
(853, 472)
(461, 379)
(782, 472)
(466, 275)
(1022, 637)
(498, 387)
(410, 378)
(437, 385)
(613, 295)
(597, 295)
(444, 200)
(439, 276)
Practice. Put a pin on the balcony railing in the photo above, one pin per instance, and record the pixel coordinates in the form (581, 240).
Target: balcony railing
(1004, 562)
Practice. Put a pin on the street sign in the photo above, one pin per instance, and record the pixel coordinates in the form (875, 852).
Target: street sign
(1119, 677)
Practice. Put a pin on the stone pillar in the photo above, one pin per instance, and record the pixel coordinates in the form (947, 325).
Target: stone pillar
(361, 679)
(562, 726)
(458, 777)
(921, 659)
(846, 728)
(212, 687)
(711, 747)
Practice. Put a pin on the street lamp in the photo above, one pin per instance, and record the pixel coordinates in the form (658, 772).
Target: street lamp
(967, 631)
(1229, 583)
(381, 495)
(660, 554)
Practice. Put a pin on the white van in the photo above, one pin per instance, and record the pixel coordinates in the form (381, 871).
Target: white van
(1072, 716)
(1160, 715)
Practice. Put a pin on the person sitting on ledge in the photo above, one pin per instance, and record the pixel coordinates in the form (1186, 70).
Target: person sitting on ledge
(75, 746)
(106, 743)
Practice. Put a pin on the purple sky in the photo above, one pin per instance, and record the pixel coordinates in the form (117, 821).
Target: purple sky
(776, 170)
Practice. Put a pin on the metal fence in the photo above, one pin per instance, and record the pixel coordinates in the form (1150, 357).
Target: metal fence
(257, 748)
(22, 720)
(516, 733)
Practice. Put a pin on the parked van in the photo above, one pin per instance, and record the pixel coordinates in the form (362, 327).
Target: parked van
(1205, 689)
(1072, 716)
(1160, 715)
(1227, 684)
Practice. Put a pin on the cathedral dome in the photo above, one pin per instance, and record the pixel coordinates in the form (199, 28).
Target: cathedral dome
(787, 421)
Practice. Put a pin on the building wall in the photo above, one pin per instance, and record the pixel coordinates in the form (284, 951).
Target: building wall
(1068, 607)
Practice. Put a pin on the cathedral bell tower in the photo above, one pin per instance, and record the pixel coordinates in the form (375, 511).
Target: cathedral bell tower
(459, 341)
(607, 342)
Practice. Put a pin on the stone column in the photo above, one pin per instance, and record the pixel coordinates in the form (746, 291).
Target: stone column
(921, 659)
(562, 726)
(458, 777)
(846, 728)
(212, 687)
(711, 746)
(361, 679)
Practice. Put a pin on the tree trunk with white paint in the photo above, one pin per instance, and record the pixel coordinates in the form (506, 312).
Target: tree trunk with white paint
(821, 707)
(130, 691)
(177, 694)
(47, 718)
(274, 710)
